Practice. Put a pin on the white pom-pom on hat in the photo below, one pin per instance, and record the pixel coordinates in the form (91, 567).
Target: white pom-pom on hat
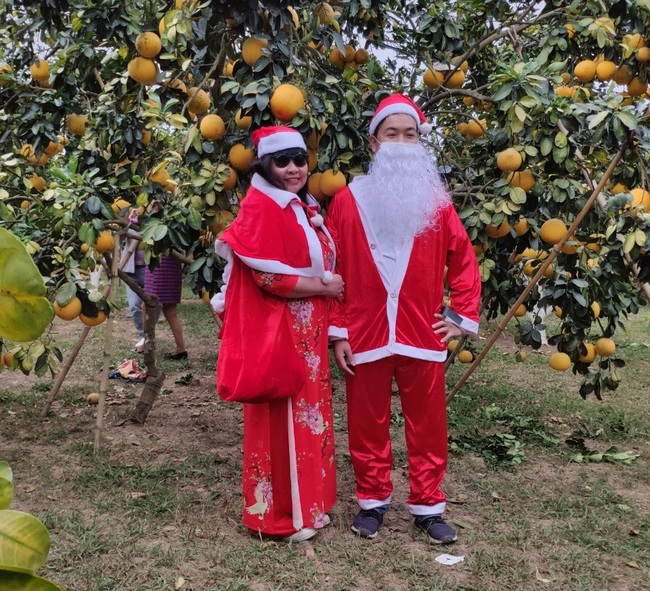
(425, 128)
(327, 277)
(317, 220)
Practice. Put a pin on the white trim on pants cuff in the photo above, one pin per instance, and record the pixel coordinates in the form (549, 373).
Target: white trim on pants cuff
(422, 510)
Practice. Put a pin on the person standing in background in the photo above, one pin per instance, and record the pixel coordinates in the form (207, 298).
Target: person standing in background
(135, 269)
(166, 282)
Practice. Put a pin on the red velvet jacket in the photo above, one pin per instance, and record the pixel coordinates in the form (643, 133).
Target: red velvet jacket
(384, 315)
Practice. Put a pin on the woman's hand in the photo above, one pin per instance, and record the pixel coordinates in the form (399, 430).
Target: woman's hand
(446, 328)
(335, 287)
(307, 287)
(344, 357)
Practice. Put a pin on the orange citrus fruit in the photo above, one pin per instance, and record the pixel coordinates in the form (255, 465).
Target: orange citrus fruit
(590, 355)
(77, 124)
(605, 347)
(148, 44)
(93, 321)
(331, 182)
(559, 361)
(105, 242)
(465, 356)
(241, 157)
(252, 49)
(503, 229)
(553, 230)
(509, 160)
(286, 101)
(70, 311)
(524, 179)
(200, 101)
(143, 70)
(212, 127)
(231, 179)
(313, 186)
(585, 70)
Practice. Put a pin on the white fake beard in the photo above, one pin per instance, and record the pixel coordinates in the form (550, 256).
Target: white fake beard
(404, 190)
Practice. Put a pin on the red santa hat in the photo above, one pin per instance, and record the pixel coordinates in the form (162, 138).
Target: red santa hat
(399, 104)
(276, 138)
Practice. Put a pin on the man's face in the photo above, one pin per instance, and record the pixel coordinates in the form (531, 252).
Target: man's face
(395, 128)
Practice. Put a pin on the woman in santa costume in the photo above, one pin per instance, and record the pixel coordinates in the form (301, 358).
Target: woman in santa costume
(280, 259)
(397, 235)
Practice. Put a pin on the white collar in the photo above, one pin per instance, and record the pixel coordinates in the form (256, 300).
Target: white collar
(280, 196)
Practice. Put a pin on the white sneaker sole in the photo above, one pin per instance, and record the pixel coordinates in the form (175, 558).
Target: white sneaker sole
(306, 533)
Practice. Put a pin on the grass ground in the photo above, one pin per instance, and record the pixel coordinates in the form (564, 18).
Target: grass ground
(159, 507)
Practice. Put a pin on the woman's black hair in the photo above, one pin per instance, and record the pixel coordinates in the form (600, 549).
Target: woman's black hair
(262, 166)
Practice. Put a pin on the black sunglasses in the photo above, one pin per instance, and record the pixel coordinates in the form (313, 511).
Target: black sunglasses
(282, 160)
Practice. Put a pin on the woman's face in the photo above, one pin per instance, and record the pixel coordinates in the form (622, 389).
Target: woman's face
(287, 174)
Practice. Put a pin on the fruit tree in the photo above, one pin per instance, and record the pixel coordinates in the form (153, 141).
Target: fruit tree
(111, 105)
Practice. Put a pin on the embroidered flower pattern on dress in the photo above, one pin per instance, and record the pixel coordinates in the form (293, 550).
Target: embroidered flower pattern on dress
(318, 517)
(313, 363)
(267, 278)
(263, 499)
(309, 415)
(302, 311)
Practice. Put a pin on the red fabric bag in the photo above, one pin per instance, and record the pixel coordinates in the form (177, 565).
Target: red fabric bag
(258, 361)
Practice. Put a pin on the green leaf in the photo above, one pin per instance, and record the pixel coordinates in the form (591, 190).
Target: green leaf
(545, 146)
(560, 154)
(503, 92)
(25, 312)
(560, 140)
(25, 582)
(66, 292)
(596, 120)
(640, 237)
(628, 119)
(517, 195)
(6, 492)
(24, 542)
(629, 242)
(520, 113)
(159, 232)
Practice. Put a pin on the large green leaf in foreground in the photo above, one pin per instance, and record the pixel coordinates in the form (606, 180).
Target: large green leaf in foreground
(24, 582)
(24, 310)
(24, 542)
(6, 485)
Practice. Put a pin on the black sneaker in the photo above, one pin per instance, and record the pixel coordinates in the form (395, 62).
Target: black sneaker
(437, 529)
(366, 523)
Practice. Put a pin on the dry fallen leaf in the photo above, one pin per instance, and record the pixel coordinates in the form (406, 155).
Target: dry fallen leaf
(137, 495)
(540, 578)
(180, 581)
(309, 551)
(463, 523)
(633, 564)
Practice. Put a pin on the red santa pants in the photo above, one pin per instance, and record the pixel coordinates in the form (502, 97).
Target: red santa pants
(422, 394)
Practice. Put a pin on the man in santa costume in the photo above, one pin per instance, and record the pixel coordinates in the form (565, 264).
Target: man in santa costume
(399, 240)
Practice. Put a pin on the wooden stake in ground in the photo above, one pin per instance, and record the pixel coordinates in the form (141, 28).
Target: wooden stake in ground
(540, 272)
(155, 376)
(63, 372)
(108, 346)
(74, 352)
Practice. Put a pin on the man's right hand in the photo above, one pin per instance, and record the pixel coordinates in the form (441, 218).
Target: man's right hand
(344, 357)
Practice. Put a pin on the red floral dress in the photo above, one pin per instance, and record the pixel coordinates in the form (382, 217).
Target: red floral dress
(289, 474)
